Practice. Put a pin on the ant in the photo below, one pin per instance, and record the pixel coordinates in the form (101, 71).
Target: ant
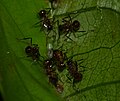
(69, 26)
(59, 57)
(73, 71)
(32, 50)
(53, 79)
(46, 22)
(52, 75)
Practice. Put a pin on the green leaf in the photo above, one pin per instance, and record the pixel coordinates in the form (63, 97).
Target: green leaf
(22, 80)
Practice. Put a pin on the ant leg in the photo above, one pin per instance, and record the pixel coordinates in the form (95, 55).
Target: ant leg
(74, 35)
(51, 4)
(85, 32)
(41, 29)
(54, 35)
(68, 37)
(67, 75)
(65, 56)
(48, 10)
(40, 25)
(29, 38)
(83, 66)
(80, 35)
(58, 29)
(48, 32)
(70, 18)
(75, 88)
(35, 44)
(82, 60)
(64, 20)
(76, 64)
(36, 24)
(60, 79)
(81, 31)
(53, 20)
(51, 36)
(74, 15)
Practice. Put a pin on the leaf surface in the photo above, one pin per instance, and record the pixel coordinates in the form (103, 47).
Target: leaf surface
(23, 80)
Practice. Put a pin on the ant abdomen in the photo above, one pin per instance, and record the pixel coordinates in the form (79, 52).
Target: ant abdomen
(76, 25)
(77, 77)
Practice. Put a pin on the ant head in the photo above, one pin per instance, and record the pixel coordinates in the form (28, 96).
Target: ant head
(76, 25)
(42, 13)
(28, 50)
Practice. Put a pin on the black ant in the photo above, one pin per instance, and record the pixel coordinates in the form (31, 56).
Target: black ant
(73, 71)
(32, 50)
(52, 75)
(59, 57)
(46, 22)
(53, 79)
(69, 26)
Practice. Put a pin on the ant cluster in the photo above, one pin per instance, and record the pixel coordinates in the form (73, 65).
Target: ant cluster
(57, 64)
(57, 60)
(64, 27)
